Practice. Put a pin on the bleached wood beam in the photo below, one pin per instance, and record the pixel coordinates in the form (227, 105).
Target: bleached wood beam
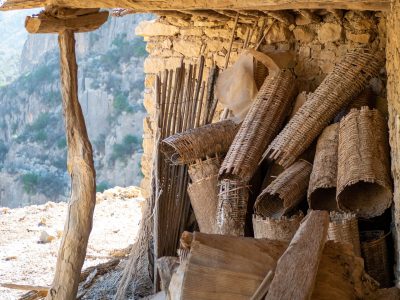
(296, 270)
(146, 5)
(45, 23)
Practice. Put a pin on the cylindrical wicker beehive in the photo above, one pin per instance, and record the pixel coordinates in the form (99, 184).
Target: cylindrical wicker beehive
(281, 229)
(365, 98)
(364, 185)
(203, 193)
(374, 252)
(343, 227)
(322, 187)
(232, 207)
(344, 83)
(285, 192)
(263, 121)
(198, 143)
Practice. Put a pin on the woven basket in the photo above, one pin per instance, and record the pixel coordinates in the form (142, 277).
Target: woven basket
(365, 98)
(343, 227)
(232, 207)
(374, 252)
(322, 188)
(364, 185)
(198, 143)
(285, 192)
(344, 83)
(281, 229)
(203, 193)
(263, 121)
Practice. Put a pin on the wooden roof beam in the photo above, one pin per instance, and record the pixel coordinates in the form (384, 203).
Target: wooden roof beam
(47, 22)
(147, 5)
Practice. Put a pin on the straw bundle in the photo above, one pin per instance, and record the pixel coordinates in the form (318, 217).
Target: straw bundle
(374, 252)
(203, 193)
(281, 229)
(262, 123)
(232, 207)
(285, 192)
(343, 227)
(198, 143)
(345, 82)
(322, 188)
(363, 184)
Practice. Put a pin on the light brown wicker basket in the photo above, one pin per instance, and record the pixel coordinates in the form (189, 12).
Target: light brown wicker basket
(198, 143)
(232, 207)
(344, 83)
(322, 187)
(284, 194)
(263, 121)
(365, 98)
(374, 252)
(203, 193)
(364, 185)
(343, 227)
(281, 229)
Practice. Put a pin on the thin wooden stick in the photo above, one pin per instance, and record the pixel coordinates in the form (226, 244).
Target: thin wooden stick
(265, 34)
(25, 287)
(231, 41)
(262, 290)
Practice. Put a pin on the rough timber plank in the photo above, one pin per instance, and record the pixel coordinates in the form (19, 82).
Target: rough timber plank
(45, 24)
(297, 268)
(83, 180)
(393, 96)
(145, 5)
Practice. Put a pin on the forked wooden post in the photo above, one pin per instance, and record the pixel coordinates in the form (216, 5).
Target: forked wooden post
(80, 164)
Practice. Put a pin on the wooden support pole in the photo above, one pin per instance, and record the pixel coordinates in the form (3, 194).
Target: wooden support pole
(297, 268)
(83, 179)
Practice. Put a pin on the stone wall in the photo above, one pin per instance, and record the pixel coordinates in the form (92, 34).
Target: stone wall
(314, 48)
(393, 95)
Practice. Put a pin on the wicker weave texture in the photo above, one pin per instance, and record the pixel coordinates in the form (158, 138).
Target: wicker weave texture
(322, 187)
(263, 121)
(232, 207)
(364, 185)
(374, 252)
(343, 227)
(198, 143)
(203, 193)
(285, 192)
(281, 229)
(343, 84)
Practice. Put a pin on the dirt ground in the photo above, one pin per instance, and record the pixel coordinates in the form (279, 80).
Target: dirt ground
(26, 260)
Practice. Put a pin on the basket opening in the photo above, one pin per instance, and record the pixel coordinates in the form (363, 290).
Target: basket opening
(271, 207)
(170, 152)
(364, 198)
(323, 199)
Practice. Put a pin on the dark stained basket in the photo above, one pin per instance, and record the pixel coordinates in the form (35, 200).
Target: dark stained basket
(322, 187)
(198, 143)
(261, 124)
(285, 192)
(203, 193)
(343, 227)
(374, 252)
(343, 84)
(282, 229)
(364, 185)
(232, 207)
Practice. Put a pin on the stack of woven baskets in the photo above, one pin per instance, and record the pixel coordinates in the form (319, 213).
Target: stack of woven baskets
(332, 152)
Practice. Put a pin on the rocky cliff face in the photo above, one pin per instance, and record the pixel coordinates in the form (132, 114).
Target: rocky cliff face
(32, 140)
